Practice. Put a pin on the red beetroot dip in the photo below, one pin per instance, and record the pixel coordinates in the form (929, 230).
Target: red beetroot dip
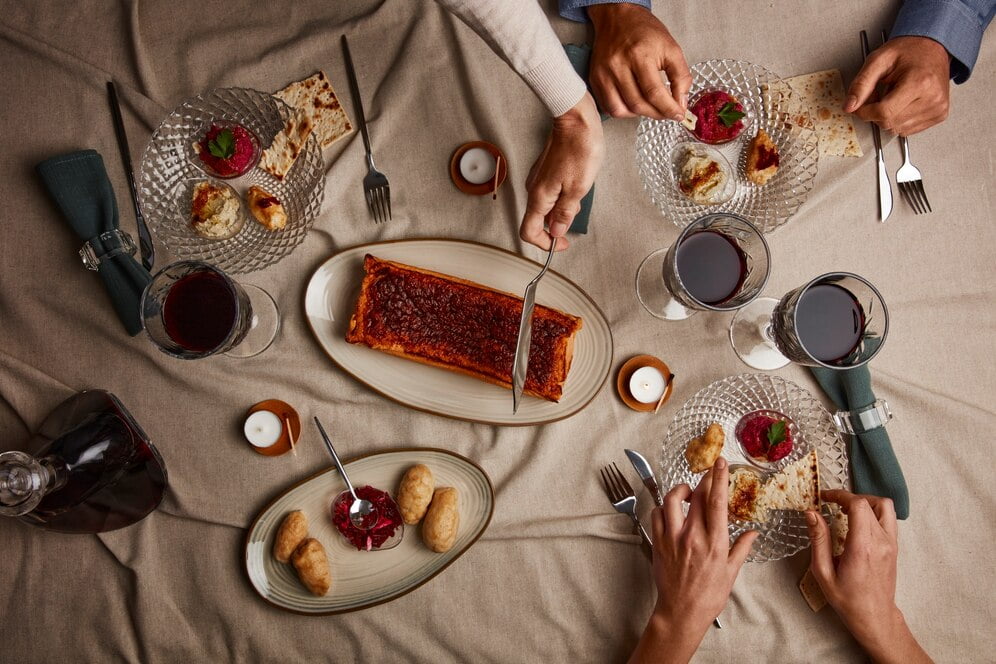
(387, 518)
(709, 128)
(241, 160)
(752, 431)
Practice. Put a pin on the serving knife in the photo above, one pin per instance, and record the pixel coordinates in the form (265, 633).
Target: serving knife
(521, 363)
(884, 186)
(145, 244)
(646, 474)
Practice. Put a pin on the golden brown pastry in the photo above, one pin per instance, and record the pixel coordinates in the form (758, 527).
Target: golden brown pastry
(762, 159)
(415, 493)
(312, 565)
(266, 208)
(292, 532)
(702, 451)
(439, 530)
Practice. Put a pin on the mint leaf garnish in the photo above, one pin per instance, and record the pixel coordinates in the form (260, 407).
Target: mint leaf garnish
(223, 145)
(776, 433)
(729, 114)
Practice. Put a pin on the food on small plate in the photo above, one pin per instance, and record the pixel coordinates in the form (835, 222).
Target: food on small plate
(796, 486)
(460, 326)
(381, 525)
(293, 530)
(762, 159)
(702, 451)
(765, 435)
(312, 566)
(746, 500)
(266, 208)
(719, 117)
(442, 521)
(283, 151)
(703, 175)
(315, 96)
(415, 493)
(227, 151)
(215, 211)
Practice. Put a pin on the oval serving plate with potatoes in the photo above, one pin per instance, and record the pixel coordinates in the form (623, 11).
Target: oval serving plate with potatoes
(365, 578)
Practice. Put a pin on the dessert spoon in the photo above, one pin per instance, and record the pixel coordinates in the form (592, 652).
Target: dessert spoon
(360, 508)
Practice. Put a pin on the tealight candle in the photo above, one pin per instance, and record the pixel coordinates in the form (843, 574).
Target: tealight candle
(647, 385)
(263, 428)
(477, 166)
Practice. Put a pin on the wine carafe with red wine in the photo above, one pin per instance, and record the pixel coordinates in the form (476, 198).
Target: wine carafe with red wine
(89, 469)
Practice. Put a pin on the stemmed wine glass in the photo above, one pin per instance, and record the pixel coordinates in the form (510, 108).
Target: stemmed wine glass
(192, 309)
(720, 262)
(836, 320)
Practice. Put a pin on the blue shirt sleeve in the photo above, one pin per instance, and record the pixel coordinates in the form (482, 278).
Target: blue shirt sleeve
(574, 10)
(957, 25)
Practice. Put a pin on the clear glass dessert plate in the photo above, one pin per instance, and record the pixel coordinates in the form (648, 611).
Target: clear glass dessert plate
(169, 160)
(768, 206)
(726, 401)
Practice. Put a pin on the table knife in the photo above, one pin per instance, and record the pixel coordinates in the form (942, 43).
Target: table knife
(145, 244)
(884, 186)
(521, 363)
(646, 474)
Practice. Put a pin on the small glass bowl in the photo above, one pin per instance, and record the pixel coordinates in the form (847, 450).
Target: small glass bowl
(747, 119)
(184, 198)
(764, 464)
(678, 159)
(391, 542)
(195, 158)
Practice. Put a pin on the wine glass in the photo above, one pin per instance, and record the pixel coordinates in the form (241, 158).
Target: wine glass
(192, 309)
(837, 320)
(720, 262)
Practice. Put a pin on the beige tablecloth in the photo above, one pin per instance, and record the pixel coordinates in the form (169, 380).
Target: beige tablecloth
(562, 582)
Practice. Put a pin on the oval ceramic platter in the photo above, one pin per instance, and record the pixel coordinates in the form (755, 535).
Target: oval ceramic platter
(331, 297)
(365, 578)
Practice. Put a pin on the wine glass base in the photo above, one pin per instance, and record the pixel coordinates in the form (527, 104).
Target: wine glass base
(653, 294)
(264, 326)
(751, 338)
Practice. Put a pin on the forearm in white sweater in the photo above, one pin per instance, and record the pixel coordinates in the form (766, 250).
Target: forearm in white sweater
(519, 32)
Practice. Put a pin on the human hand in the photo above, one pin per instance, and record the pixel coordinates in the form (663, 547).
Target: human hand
(694, 566)
(563, 174)
(631, 50)
(861, 587)
(914, 72)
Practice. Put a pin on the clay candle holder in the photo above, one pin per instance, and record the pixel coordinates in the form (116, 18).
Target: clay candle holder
(625, 374)
(476, 149)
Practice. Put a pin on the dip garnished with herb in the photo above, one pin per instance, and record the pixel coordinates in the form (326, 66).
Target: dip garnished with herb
(720, 117)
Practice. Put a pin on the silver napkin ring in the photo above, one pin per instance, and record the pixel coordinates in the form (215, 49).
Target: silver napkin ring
(114, 243)
(864, 419)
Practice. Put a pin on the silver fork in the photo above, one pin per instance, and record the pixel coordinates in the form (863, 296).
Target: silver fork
(375, 186)
(623, 498)
(910, 183)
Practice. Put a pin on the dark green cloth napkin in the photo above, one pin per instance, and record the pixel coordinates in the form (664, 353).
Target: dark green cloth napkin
(874, 467)
(579, 55)
(79, 186)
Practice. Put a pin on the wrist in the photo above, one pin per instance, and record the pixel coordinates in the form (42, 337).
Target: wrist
(684, 627)
(881, 637)
(609, 12)
(582, 116)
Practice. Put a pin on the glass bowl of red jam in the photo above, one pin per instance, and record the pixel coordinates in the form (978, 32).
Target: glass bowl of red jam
(226, 150)
(382, 529)
(710, 128)
(760, 443)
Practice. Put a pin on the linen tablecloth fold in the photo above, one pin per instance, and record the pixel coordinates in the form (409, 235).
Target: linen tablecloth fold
(874, 467)
(79, 186)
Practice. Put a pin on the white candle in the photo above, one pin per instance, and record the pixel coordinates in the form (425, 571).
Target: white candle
(477, 166)
(647, 385)
(263, 428)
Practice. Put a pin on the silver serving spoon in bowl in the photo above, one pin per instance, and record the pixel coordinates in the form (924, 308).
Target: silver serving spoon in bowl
(360, 509)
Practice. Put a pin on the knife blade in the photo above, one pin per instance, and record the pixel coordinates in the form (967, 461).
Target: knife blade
(646, 474)
(884, 185)
(521, 363)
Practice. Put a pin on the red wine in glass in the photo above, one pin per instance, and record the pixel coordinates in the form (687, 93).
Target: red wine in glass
(711, 266)
(829, 322)
(200, 311)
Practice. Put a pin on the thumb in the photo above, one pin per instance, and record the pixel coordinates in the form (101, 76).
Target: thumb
(821, 563)
(863, 85)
